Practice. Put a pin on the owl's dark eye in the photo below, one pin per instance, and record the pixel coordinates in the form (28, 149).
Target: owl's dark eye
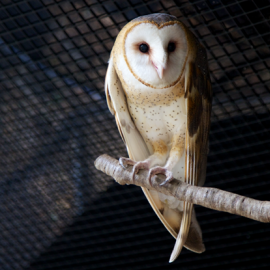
(144, 48)
(171, 47)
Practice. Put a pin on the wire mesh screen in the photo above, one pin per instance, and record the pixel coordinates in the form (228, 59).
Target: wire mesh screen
(57, 211)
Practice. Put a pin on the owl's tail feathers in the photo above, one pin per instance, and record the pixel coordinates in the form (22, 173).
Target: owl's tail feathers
(183, 232)
(194, 240)
(190, 234)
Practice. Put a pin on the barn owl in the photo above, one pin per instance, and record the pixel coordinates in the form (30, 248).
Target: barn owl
(158, 88)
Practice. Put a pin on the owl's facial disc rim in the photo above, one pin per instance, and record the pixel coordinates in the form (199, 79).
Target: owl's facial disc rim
(159, 26)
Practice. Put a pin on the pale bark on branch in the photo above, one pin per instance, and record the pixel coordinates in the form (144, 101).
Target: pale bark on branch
(212, 198)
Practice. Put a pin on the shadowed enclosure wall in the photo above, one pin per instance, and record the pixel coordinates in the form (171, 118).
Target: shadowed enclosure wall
(56, 210)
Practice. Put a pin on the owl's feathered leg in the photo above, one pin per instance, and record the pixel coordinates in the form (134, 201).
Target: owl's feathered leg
(177, 150)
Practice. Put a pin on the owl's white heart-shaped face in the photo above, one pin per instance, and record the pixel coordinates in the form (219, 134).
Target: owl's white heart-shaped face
(156, 55)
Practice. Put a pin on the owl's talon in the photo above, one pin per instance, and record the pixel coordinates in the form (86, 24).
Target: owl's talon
(160, 170)
(124, 162)
(141, 165)
(167, 180)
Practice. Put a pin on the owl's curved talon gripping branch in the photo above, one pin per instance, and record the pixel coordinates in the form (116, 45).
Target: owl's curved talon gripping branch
(161, 170)
(124, 162)
(144, 165)
(212, 198)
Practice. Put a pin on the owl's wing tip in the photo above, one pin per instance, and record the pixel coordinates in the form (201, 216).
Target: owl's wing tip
(177, 249)
(174, 256)
(171, 259)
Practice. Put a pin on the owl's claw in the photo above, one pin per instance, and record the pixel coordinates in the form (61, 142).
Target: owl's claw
(160, 170)
(124, 162)
(167, 180)
(141, 165)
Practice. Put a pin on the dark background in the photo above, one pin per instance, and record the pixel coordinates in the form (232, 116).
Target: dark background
(56, 210)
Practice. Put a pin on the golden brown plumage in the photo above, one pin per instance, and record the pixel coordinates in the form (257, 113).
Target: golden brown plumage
(161, 100)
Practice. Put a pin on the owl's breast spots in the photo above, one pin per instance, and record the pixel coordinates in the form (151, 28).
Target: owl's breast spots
(153, 97)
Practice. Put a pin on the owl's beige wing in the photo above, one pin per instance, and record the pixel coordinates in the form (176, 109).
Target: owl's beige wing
(135, 144)
(117, 104)
(198, 96)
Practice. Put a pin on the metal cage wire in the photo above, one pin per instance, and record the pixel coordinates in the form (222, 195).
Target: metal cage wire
(57, 211)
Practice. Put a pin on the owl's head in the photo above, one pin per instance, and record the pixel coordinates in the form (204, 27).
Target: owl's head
(156, 49)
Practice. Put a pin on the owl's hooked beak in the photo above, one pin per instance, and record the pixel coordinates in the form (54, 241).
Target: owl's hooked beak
(160, 71)
(161, 65)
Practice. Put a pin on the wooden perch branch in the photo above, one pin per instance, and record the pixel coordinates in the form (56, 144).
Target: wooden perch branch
(212, 198)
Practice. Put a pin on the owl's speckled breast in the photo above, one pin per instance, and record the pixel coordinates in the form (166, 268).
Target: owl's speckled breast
(153, 97)
(158, 115)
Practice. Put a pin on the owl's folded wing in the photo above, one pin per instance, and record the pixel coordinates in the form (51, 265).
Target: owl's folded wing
(198, 95)
(117, 104)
